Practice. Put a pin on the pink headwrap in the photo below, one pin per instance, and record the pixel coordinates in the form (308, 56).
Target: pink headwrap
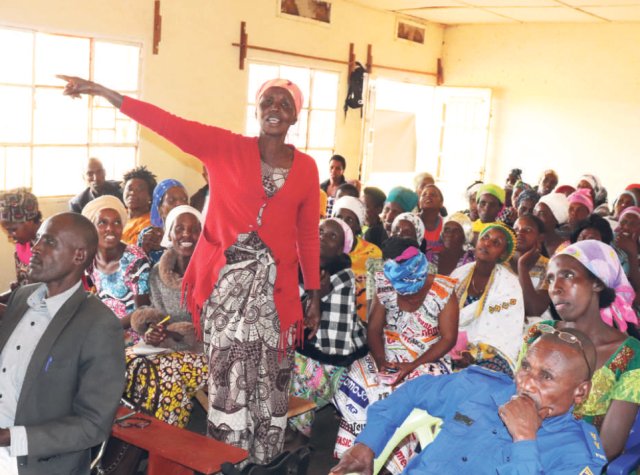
(294, 90)
(630, 210)
(602, 261)
(583, 197)
(348, 234)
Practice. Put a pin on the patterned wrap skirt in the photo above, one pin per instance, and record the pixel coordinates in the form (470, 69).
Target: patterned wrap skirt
(248, 375)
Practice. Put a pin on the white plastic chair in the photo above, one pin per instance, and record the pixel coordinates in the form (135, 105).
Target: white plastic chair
(425, 426)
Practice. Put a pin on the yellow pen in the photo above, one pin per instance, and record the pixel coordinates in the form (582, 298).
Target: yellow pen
(164, 320)
(161, 322)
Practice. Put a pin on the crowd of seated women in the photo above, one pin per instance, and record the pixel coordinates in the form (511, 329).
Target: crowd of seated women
(408, 288)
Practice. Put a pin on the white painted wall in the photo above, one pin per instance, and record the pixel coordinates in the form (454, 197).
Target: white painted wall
(564, 96)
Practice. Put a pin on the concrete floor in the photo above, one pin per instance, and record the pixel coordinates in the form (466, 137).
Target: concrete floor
(323, 436)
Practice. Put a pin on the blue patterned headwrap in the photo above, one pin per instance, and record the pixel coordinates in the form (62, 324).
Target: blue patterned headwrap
(407, 272)
(158, 193)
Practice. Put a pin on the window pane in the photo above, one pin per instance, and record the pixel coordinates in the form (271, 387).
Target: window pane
(116, 160)
(322, 129)
(325, 90)
(258, 75)
(16, 56)
(58, 170)
(297, 134)
(252, 128)
(59, 120)
(300, 76)
(104, 118)
(106, 136)
(15, 114)
(116, 65)
(126, 131)
(14, 167)
(57, 54)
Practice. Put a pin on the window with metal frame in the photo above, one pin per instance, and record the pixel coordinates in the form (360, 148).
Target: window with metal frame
(314, 132)
(45, 137)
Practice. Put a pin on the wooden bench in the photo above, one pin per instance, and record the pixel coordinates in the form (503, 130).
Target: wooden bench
(175, 451)
(297, 405)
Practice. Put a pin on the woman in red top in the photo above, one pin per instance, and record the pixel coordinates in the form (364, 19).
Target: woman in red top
(242, 279)
(430, 204)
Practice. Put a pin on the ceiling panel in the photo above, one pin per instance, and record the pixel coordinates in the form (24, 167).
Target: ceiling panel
(405, 4)
(601, 3)
(513, 3)
(504, 11)
(429, 4)
(546, 15)
(454, 16)
(619, 14)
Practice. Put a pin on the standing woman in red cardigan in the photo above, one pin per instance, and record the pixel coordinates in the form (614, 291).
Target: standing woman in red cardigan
(241, 284)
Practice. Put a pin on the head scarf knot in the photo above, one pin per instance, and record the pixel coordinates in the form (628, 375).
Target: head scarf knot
(93, 208)
(352, 204)
(158, 194)
(635, 210)
(493, 190)
(291, 88)
(348, 235)
(171, 219)
(407, 272)
(18, 206)
(464, 222)
(528, 194)
(509, 236)
(602, 261)
(559, 206)
(406, 198)
(413, 219)
(582, 196)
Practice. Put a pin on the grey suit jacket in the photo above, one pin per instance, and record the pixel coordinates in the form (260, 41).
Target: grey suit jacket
(68, 405)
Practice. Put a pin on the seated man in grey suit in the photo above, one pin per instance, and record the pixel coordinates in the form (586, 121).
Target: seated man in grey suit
(61, 358)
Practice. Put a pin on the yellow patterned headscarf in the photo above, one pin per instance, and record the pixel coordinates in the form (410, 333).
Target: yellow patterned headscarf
(509, 236)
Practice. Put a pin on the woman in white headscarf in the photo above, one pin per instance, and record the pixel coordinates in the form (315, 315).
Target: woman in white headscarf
(352, 211)
(456, 236)
(183, 225)
(181, 368)
(553, 211)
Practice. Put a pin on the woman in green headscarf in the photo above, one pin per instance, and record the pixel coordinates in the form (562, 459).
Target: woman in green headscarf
(491, 199)
(491, 304)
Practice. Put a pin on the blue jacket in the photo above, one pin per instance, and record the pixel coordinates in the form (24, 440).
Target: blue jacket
(473, 438)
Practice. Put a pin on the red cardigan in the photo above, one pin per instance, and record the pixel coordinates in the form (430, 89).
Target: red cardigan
(289, 221)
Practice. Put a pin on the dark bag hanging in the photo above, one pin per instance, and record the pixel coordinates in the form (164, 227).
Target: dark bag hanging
(119, 457)
(355, 90)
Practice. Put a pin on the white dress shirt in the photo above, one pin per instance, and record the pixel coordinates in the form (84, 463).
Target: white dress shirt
(14, 361)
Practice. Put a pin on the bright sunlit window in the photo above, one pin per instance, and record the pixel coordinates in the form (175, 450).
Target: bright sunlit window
(314, 133)
(45, 137)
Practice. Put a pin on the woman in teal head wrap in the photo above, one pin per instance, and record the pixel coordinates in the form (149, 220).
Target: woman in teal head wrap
(399, 200)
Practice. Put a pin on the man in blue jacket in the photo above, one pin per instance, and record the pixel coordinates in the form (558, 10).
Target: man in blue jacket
(490, 424)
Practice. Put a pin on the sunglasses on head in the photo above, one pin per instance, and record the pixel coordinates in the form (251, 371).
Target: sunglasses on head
(567, 338)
